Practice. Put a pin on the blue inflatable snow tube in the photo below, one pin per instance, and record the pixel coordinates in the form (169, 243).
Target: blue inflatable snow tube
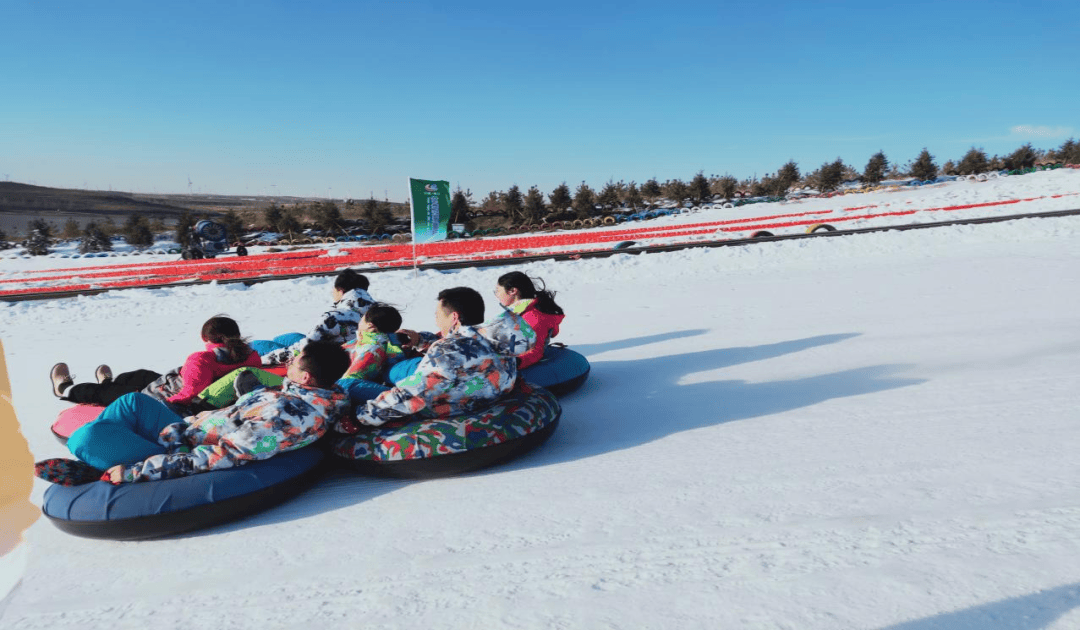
(152, 509)
(264, 346)
(403, 369)
(360, 391)
(561, 371)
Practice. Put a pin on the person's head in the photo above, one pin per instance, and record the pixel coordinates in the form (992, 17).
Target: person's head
(381, 318)
(347, 281)
(224, 331)
(460, 305)
(219, 328)
(320, 364)
(515, 285)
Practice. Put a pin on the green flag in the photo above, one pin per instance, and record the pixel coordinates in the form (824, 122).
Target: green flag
(430, 209)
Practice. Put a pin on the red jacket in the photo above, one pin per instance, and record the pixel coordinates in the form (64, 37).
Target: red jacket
(544, 326)
(201, 369)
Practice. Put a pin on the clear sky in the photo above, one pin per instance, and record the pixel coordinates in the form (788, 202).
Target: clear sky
(347, 99)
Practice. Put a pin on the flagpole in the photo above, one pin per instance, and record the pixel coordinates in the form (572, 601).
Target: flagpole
(412, 228)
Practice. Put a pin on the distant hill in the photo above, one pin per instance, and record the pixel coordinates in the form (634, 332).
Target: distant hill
(21, 203)
(29, 200)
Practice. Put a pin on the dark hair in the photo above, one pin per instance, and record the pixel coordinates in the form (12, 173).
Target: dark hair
(385, 318)
(464, 301)
(224, 330)
(325, 361)
(545, 300)
(348, 280)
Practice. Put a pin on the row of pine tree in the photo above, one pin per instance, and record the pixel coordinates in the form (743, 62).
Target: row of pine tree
(585, 202)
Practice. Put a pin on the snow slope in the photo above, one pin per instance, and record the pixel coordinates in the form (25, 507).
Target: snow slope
(873, 431)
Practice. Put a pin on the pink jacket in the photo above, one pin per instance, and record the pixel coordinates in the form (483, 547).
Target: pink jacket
(201, 369)
(544, 326)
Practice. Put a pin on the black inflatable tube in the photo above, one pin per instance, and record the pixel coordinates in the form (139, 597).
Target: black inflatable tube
(454, 463)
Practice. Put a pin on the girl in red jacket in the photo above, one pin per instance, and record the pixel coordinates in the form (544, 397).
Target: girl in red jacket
(225, 351)
(517, 292)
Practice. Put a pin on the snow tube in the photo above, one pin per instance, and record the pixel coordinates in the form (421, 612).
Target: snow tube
(561, 371)
(360, 391)
(152, 509)
(441, 447)
(73, 418)
(402, 369)
(266, 346)
(820, 227)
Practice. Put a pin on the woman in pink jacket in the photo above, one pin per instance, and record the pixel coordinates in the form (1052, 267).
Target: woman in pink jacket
(225, 351)
(516, 291)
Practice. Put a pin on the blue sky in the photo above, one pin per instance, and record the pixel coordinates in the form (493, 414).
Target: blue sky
(347, 99)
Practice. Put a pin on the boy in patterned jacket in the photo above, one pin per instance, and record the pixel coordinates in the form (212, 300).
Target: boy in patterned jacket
(351, 302)
(467, 367)
(260, 424)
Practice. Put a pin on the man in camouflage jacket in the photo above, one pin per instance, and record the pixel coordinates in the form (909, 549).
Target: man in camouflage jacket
(260, 424)
(469, 366)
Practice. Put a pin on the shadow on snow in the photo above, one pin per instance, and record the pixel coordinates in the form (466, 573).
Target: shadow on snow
(642, 400)
(636, 402)
(1028, 612)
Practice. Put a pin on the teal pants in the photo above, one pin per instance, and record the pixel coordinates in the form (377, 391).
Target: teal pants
(125, 432)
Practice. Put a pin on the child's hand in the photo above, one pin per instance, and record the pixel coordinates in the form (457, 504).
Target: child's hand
(411, 337)
(115, 475)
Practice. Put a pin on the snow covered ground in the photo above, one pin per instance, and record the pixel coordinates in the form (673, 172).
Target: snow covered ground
(874, 431)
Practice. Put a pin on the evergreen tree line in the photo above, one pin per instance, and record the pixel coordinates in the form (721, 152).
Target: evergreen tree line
(516, 207)
(95, 236)
(137, 230)
(374, 217)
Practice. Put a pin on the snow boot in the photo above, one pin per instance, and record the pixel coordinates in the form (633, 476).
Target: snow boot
(61, 379)
(103, 373)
